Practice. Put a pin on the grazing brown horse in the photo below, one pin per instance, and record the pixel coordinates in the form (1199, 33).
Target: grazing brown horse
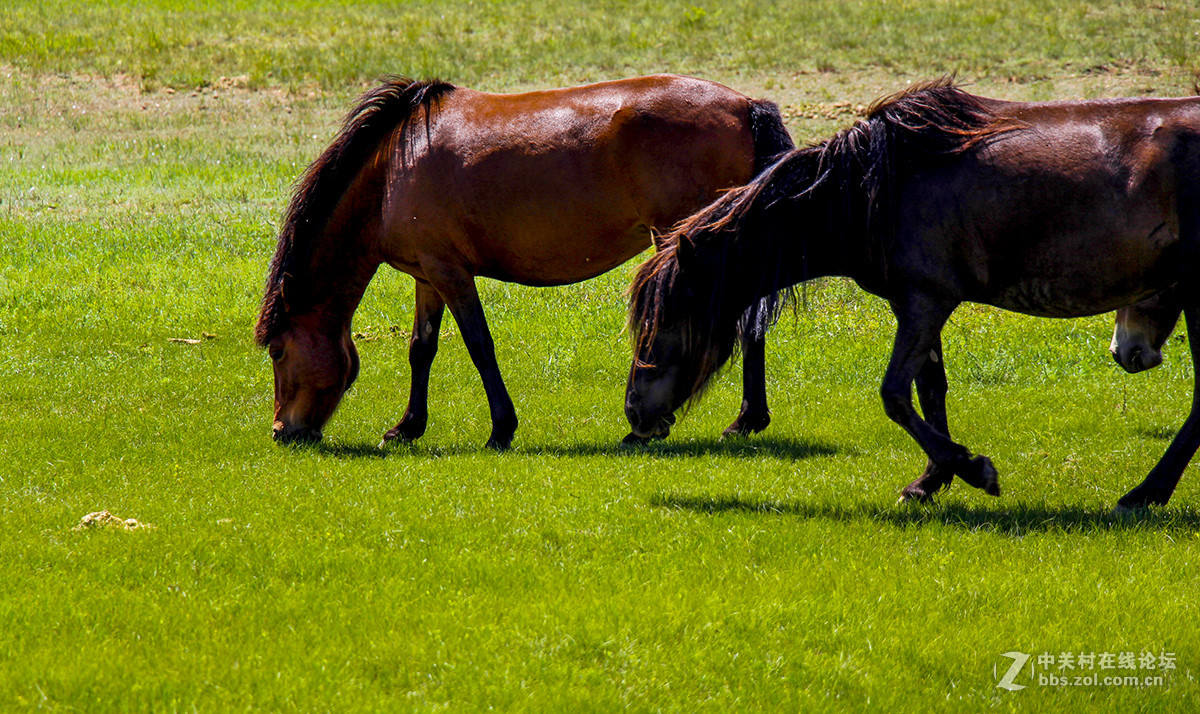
(446, 184)
(937, 198)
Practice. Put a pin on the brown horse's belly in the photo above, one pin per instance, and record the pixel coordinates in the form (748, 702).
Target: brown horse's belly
(570, 258)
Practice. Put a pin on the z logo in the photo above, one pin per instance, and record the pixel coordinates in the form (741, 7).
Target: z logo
(1019, 659)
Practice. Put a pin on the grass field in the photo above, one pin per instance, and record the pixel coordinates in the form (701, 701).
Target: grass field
(146, 158)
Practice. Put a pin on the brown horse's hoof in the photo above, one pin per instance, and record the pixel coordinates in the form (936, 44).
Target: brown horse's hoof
(632, 439)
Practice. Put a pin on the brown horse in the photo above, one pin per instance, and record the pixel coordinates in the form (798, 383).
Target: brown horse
(542, 188)
(937, 198)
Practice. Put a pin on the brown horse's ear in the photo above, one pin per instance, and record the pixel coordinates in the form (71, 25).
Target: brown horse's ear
(283, 300)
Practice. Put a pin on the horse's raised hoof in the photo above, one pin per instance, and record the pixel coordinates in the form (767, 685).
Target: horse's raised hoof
(747, 424)
(980, 473)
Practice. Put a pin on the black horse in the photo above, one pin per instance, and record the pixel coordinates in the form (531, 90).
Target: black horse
(939, 197)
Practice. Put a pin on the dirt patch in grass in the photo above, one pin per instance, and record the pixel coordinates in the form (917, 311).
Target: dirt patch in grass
(107, 521)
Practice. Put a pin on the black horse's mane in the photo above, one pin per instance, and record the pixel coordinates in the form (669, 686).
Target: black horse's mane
(381, 113)
(744, 236)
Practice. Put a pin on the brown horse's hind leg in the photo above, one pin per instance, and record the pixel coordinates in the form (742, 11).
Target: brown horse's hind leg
(457, 288)
(1164, 477)
(919, 325)
(931, 391)
(754, 416)
(422, 348)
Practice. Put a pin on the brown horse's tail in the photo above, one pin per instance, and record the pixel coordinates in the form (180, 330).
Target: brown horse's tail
(771, 138)
(381, 113)
(771, 141)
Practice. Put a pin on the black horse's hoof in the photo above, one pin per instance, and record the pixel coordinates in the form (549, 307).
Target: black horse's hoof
(912, 493)
(980, 473)
(499, 444)
(406, 431)
(1127, 513)
(747, 424)
(934, 480)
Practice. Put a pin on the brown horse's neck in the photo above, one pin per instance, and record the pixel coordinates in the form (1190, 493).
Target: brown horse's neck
(342, 265)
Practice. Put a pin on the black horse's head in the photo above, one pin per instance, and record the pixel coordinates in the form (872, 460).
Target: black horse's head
(684, 318)
(1143, 329)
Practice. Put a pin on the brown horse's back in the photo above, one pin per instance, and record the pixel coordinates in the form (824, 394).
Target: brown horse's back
(553, 187)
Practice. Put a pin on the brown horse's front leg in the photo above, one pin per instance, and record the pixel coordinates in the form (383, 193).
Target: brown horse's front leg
(931, 391)
(457, 288)
(754, 415)
(422, 348)
(919, 324)
(1164, 477)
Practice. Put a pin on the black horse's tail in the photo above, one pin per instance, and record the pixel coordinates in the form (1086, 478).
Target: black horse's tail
(381, 113)
(771, 141)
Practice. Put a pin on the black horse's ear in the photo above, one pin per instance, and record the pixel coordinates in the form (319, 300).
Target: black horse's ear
(685, 250)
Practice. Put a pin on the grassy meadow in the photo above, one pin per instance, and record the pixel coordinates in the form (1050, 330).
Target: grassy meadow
(146, 154)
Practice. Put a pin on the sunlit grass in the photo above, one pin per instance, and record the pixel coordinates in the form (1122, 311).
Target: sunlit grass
(774, 573)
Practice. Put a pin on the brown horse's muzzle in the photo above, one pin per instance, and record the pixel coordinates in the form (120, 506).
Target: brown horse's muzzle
(296, 435)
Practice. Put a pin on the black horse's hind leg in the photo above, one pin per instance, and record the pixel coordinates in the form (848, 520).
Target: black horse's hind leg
(931, 391)
(1164, 477)
(919, 325)
(457, 288)
(754, 415)
(422, 348)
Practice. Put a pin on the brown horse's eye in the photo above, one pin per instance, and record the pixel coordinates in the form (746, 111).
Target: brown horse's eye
(276, 353)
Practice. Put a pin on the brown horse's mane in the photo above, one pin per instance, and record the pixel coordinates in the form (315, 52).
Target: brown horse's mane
(381, 113)
(743, 240)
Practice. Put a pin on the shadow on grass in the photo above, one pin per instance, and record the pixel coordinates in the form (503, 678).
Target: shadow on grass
(1016, 520)
(1162, 433)
(340, 450)
(768, 447)
(760, 446)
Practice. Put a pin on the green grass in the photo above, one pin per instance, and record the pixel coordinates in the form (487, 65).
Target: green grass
(504, 43)
(774, 573)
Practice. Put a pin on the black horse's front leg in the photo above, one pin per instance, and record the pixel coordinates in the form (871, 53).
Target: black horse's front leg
(931, 391)
(1164, 477)
(918, 334)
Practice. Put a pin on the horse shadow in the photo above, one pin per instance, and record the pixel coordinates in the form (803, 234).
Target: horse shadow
(1011, 520)
(734, 447)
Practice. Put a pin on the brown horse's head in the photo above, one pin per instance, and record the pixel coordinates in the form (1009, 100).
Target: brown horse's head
(1143, 329)
(314, 365)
